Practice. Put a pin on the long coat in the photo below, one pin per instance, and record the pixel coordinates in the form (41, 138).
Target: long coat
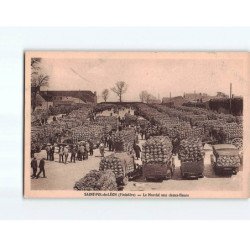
(137, 151)
(34, 164)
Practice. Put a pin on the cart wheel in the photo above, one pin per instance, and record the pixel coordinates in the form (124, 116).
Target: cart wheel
(238, 143)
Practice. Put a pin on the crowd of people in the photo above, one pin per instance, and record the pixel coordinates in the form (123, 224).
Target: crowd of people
(70, 153)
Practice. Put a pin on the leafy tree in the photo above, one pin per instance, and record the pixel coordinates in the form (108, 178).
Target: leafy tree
(119, 89)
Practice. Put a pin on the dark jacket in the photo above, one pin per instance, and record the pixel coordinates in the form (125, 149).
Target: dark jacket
(42, 163)
(91, 145)
(73, 151)
(137, 150)
(52, 150)
(34, 163)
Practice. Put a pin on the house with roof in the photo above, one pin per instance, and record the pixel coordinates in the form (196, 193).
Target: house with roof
(174, 101)
(67, 96)
(41, 103)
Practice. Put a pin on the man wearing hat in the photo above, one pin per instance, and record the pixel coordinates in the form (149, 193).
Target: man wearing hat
(48, 151)
(73, 154)
(101, 148)
(66, 153)
(52, 151)
(34, 167)
(41, 168)
(60, 154)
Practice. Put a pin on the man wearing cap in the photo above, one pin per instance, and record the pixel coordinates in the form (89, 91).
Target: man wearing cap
(41, 168)
(34, 167)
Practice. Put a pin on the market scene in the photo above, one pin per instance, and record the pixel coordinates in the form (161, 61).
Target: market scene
(80, 140)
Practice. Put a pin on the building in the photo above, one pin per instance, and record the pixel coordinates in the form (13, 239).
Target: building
(117, 112)
(195, 97)
(66, 101)
(67, 97)
(154, 101)
(41, 103)
(174, 101)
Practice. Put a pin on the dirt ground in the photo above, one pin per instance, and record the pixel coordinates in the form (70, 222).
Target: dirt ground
(62, 176)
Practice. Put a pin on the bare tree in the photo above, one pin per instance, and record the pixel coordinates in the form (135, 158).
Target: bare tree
(120, 88)
(35, 66)
(105, 94)
(146, 97)
(141, 96)
(35, 61)
(150, 98)
(37, 79)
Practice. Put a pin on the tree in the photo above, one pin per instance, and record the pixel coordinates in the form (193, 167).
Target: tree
(143, 96)
(37, 80)
(105, 94)
(120, 88)
(146, 97)
(35, 63)
(151, 98)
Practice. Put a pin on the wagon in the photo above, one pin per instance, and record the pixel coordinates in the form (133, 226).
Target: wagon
(224, 150)
(158, 171)
(192, 169)
(130, 170)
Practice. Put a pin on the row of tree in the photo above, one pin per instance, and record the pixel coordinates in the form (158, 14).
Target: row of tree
(121, 87)
(146, 97)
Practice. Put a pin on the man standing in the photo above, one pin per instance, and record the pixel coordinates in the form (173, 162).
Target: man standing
(34, 167)
(176, 143)
(73, 154)
(48, 151)
(52, 151)
(101, 148)
(110, 143)
(60, 154)
(91, 147)
(33, 150)
(82, 152)
(137, 150)
(87, 149)
(66, 153)
(42, 168)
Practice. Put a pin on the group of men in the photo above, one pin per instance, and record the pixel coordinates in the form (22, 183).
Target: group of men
(79, 152)
(50, 150)
(34, 166)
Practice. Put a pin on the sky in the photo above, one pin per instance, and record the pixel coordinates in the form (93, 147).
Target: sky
(157, 76)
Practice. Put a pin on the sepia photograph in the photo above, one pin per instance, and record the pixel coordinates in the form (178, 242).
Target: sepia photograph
(135, 124)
